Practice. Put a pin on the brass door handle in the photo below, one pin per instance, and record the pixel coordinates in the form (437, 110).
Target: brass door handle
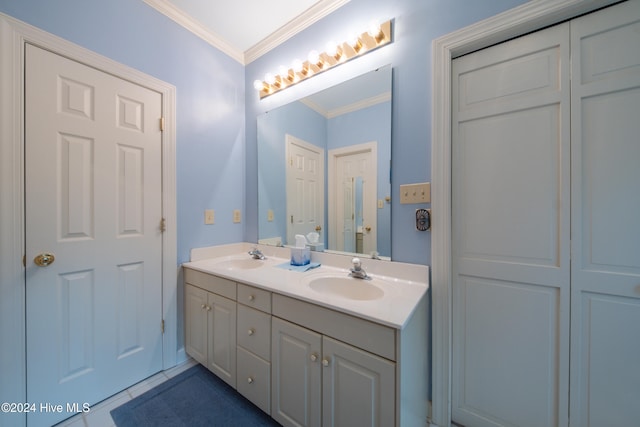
(44, 260)
(318, 228)
(368, 228)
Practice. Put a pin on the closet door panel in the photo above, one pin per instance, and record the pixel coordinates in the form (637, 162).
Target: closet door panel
(510, 227)
(605, 286)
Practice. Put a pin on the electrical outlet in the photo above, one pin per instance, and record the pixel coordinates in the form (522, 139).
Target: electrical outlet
(415, 193)
(237, 217)
(380, 204)
(209, 216)
(270, 215)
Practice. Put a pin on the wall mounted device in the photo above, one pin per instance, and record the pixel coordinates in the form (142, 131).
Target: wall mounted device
(423, 219)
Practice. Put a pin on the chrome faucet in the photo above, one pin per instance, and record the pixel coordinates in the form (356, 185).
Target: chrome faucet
(256, 253)
(356, 271)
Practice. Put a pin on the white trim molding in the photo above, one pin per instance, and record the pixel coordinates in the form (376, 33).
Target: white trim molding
(284, 33)
(14, 35)
(316, 12)
(531, 16)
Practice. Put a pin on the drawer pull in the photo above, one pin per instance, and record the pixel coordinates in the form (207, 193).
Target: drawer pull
(313, 357)
(325, 362)
(251, 331)
(250, 380)
(252, 297)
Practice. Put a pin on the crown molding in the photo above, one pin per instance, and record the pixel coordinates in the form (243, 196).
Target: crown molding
(284, 33)
(293, 27)
(365, 103)
(191, 24)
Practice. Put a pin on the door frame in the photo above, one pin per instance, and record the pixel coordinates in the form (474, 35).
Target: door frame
(531, 16)
(14, 35)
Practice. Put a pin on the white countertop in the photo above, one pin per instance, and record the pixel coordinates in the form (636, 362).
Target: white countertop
(404, 285)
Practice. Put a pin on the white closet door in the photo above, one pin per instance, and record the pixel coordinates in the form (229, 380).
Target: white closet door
(511, 233)
(605, 281)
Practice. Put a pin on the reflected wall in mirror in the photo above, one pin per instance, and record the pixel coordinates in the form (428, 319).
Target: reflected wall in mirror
(324, 167)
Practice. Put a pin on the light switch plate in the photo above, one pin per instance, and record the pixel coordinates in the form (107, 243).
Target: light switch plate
(209, 216)
(415, 193)
(237, 217)
(270, 215)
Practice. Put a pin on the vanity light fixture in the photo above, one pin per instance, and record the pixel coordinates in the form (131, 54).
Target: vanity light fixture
(335, 54)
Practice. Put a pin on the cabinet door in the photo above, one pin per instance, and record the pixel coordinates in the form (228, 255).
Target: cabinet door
(222, 338)
(358, 388)
(296, 380)
(195, 323)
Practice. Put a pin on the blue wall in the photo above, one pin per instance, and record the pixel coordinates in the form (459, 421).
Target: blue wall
(416, 24)
(210, 100)
(217, 107)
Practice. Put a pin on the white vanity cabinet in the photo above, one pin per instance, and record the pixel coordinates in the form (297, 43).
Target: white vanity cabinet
(307, 364)
(319, 380)
(210, 323)
(254, 346)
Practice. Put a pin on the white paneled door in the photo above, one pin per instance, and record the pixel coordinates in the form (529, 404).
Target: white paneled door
(605, 205)
(546, 237)
(511, 233)
(352, 200)
(305, 188)
(93, 234)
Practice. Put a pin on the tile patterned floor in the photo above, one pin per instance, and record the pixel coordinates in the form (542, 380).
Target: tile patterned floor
(99, 415)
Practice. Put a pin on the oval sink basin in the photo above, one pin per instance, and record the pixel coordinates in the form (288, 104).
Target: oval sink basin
(346, 287)
(240, 264)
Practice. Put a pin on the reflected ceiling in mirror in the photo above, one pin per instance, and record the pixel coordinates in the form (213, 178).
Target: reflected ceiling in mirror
(324, 168)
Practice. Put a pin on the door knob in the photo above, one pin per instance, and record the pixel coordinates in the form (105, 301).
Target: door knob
(44, 260)
(368, 228)
(318, 228)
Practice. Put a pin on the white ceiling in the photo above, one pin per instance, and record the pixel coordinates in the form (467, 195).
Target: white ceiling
(245, 29)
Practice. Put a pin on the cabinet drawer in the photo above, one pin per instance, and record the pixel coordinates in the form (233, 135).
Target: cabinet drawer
(217, 285)
(254, 297)
(254, 379)
(254, 331)
(369, 336)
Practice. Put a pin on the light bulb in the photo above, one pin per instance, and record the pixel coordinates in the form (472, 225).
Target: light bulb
(331, 48)
(314, 57)
(335, 51)
(258, 84)
(355, 43)
(297, 65)
(270, 78)
(374, 29)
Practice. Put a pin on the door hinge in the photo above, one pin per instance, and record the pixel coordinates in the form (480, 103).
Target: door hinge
(161, 124)
(163, 225)
(24, 260)
(162, 326)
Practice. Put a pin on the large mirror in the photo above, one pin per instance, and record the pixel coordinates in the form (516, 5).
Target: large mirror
(324, 167)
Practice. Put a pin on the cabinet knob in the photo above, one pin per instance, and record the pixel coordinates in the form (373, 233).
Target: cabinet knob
(325, 362)
(313, 357)
(203, 306)
(251, 331)
(252, 297)
(208, 308)
(250, 380)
